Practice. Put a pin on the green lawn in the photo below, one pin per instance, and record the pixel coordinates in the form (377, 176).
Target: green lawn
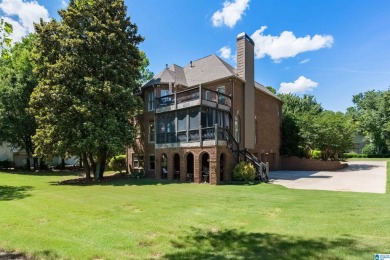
(144, 219)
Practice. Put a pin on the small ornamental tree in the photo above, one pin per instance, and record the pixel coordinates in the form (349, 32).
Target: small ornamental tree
(244, 171)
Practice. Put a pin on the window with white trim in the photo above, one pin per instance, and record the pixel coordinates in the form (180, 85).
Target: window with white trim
(138, 161)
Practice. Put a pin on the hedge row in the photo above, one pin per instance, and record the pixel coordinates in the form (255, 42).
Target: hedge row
(355, 155)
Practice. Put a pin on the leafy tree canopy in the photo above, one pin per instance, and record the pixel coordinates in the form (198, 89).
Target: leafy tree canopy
(371, 112)
(88, 65)
(17, 81)
(5, 41)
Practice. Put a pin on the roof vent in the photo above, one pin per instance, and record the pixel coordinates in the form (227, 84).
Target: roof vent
(191, 64)
(166, 66)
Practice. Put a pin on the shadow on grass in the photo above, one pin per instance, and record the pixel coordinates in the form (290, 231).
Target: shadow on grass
(115, 182)
(233, 244)
(47, 255)
(43, 173)
(14, 192)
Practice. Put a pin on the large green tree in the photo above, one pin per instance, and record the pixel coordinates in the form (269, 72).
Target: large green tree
(371, 111)
(298, 133)
(17, 81)
(306, 126)
(334, 133)
(5, 39)
(88, 65)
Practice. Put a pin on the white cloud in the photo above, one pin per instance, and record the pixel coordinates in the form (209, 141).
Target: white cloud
(300, 85)
(304, 61)
(225, 52)
(287, 45)
(231, 13)
(22, 15)
(64, 3)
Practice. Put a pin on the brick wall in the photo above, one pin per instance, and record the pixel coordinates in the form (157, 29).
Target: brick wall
(296, 164)
(268, 122)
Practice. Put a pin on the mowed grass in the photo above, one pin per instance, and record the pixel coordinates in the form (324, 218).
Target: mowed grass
(145, 219)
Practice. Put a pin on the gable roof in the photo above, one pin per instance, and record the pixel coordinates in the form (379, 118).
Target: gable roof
(209, 68)
(265, 90)
(206, 69)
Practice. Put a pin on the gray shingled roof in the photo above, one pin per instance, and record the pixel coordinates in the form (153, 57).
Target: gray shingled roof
(204, 70)
(207, 69)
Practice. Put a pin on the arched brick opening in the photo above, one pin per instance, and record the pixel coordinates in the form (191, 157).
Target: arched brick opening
(190, 167)
(222, 167)
(164, 166)
(204, 168)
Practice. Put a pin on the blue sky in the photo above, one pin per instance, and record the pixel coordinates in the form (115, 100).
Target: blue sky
(331, 49)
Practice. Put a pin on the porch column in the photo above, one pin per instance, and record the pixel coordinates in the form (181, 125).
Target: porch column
(170, 159)
(213, 170)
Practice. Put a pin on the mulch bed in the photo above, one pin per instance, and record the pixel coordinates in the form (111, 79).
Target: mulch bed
(12, 255)
(83, 180)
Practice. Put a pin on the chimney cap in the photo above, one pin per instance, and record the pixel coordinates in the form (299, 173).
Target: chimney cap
(245, 36)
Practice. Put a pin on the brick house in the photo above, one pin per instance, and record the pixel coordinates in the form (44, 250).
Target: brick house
(199, 120)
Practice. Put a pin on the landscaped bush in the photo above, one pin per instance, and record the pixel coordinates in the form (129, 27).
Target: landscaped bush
(244, 171)
(369, 149)
(363, 155)
(118, 163)
(315, 154)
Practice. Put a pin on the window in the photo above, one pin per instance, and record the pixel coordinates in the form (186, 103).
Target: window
(151, 132)
(221, 98)
(138, 161)
(194, 118)
(208, 117)
(151, 101)
(152, 162)
(164, 92)
(182, 120)
(237, 130)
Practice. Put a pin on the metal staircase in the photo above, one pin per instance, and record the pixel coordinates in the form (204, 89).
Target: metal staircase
(244, 154)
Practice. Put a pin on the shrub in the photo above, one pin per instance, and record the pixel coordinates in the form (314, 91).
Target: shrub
(369, 149)
(244, 171)
(118, 163)
(350, 155)
(315, 154)
(6, 164)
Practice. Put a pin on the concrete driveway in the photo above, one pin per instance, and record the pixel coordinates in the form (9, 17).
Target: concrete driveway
(357, 177)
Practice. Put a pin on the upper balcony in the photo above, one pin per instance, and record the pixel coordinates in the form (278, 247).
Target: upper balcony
(193, 97)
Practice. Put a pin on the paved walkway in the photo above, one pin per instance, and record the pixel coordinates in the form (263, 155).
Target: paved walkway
(357, 177)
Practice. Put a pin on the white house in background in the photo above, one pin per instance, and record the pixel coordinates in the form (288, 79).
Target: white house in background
(18, 156)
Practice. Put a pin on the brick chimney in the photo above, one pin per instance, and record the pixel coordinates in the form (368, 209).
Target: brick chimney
(246, 71)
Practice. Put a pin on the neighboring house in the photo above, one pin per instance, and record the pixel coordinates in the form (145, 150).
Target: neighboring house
(19, 156)
(200, 120)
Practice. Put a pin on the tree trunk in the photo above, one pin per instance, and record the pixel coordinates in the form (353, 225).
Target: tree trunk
(83, 157)
(29, 152)
(86, 165)
(92, 164)
(62, 163)
(28, 163)
(100, 166)
(35, 163)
